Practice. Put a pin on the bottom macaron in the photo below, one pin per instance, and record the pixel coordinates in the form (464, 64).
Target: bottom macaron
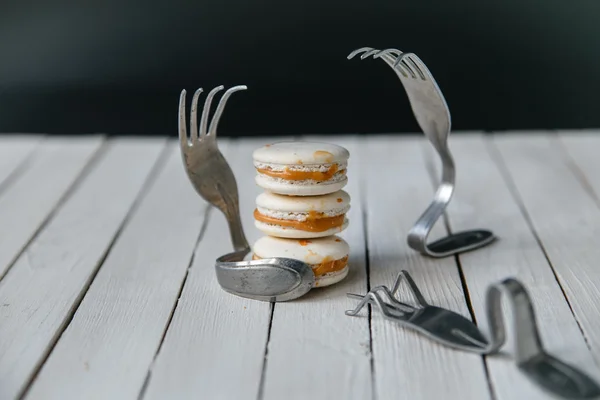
(328, 256)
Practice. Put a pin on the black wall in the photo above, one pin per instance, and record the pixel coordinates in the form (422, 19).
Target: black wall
(118, 66)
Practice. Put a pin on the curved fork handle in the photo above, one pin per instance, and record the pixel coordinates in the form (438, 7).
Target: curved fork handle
(232, 214)
(542, 368)
(418, 234)
(420, 75)
(527, 338)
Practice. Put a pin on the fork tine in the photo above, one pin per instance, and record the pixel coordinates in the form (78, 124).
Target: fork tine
(206, 110)
(194, 117)
(212, 130)
(183, 139)
(360, 305)
(415, 66)
(383, 307)
(393, 299)
(374, 299)
(401, 60)
(358, 51)
(355, 295)
(419, 65)
(413, 288)
(390, 59)
(369, 53)
(397, 306)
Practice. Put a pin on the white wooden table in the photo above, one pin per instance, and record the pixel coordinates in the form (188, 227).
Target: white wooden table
(108, 289)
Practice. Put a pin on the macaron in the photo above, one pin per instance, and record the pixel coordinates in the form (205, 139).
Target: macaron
(301, 217)
(328, 256)
(301, 168)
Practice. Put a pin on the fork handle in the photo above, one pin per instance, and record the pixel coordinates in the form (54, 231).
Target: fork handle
(236, 230)
(418, 234)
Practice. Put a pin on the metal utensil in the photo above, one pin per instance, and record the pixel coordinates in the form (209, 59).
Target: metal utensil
(273, 279)
(547, 371)
(439, 324)
(433, 116)
(453, 330)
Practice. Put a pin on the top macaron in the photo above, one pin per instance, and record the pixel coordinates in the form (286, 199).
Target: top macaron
(301, 168)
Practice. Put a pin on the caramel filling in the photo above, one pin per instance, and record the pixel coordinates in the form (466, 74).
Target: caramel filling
(325, 267)
(292, 175)
(328, 265)
(315, 222)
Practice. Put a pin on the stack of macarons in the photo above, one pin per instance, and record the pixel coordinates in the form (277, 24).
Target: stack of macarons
(303, 206)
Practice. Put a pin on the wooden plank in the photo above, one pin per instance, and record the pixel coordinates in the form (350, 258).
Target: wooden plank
(564, 216)
(483, 200)
(54, 167)
(398, 189)
(315, 350)
(41, 292)
(582, 152)
(214, 347)
(109, 345)
(14, 152)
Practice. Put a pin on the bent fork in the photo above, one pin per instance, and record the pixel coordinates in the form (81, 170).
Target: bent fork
(206, 167)
(273, 279)
(439, 324)
(433, 116)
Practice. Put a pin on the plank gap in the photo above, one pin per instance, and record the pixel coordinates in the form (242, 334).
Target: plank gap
(161, 160)
(365, 216)
(261, 385)
(83, 174)
(430, 166)
(497, 157)
(21, 167)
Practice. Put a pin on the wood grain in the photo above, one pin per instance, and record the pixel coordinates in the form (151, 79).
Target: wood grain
(483, 200)
(581, 148)
(42, 290)
(108, 347)
(565, 217)
(29, 201)
(316, 351)
(214, 348)
(398, 189)
(82, 208)
(14, 154)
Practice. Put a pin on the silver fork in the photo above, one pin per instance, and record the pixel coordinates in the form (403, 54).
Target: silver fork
(439, 324)
(206, 167)
(274, 279)
(433, 116)
(454, 330)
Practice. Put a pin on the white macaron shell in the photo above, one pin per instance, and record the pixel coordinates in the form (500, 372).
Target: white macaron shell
(300, 167)
(288, 232)
(336, 201)
(331, 278)
(314, 251)
(302, 153)
(300, 188)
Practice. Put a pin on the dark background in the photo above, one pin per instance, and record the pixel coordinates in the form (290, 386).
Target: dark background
(117, 67)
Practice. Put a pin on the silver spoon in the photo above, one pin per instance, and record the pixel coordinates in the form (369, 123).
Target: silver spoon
(433, 116)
